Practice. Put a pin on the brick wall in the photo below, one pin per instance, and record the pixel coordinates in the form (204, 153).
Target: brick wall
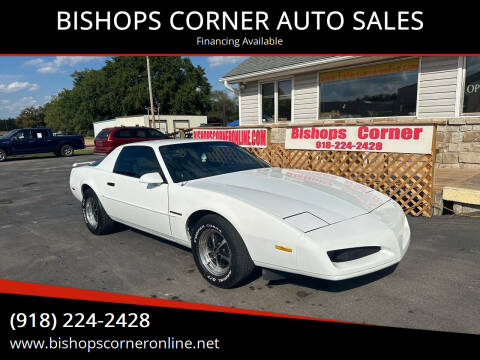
(458, 143)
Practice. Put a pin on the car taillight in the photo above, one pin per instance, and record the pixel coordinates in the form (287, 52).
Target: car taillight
(83, 140)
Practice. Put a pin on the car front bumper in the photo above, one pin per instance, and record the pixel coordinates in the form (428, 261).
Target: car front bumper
(386, 228)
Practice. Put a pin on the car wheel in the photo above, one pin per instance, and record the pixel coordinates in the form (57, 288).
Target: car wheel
(94, 215)
(3, 155)
(66, 150)
(220, 253)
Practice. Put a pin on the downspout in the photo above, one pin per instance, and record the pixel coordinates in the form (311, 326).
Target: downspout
(227, 85)
(236, 92)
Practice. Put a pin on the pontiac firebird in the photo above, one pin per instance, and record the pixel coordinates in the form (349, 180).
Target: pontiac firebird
(236, 212)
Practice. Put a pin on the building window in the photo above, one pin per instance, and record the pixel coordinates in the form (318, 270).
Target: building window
(471, 95)
(268, 102)
(276, 101)
(285, 100)
(388, 89)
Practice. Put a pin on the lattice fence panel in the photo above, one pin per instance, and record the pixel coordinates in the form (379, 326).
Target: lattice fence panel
(406, 178)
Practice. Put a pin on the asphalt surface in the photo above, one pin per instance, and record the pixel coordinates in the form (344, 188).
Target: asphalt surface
(43, 239)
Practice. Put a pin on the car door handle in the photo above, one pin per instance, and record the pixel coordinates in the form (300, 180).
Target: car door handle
(110, 184)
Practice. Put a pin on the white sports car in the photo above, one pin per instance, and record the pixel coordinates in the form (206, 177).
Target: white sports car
(236, 212)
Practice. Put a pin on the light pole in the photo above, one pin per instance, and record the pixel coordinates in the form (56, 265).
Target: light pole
(150, 91)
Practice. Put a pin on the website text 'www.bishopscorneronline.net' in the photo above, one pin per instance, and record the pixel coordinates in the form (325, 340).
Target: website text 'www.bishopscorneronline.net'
(88, 345)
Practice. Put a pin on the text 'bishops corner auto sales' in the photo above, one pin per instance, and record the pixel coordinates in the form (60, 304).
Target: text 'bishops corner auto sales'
(243, 137)
(392, 139)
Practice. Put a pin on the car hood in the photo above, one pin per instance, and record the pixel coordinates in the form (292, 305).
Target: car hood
(286, 192)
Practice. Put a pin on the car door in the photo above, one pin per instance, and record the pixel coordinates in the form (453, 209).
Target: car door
(43, 142)
(23, 142)
(143, 206)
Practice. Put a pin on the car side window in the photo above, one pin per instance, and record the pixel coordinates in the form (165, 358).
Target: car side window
(140, 133)
(39, 134)
(136, 161)
(124, 133)
(23, 135)
(152, 133)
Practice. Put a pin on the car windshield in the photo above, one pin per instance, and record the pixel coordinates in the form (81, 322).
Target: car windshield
(9, 134)
(196, 160)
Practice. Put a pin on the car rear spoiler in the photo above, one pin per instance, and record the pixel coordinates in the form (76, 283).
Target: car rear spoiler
(81, 164)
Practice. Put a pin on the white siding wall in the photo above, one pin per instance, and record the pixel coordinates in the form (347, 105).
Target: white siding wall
(437, 87)
(437, 83)
(249, 104)
(305, 98)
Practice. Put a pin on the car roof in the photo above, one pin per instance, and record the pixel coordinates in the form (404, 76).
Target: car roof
(131, 127)
(166, 142)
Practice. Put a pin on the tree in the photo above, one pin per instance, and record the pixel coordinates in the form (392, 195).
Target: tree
(8, 124)
(223, 107)
(58, 111)
(31, 117)
(120, 88)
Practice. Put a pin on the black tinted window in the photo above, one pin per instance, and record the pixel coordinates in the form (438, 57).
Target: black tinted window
(152, 133)
(103, 134)
(137, 161)
(124, 133)
(149, 133)
(40, 133)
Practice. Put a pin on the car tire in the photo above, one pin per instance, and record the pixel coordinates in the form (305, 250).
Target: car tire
(94, 215)
(66, 150)
(220, 253)
(3, 155)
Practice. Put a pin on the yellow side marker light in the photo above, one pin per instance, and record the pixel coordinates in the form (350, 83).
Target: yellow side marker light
(283, 248)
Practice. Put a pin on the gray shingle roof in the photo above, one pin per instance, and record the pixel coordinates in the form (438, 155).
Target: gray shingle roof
(260, 63)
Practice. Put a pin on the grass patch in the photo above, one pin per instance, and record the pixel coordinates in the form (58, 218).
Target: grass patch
(86, 151)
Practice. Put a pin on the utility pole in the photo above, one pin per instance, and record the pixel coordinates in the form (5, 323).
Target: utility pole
(150, 91)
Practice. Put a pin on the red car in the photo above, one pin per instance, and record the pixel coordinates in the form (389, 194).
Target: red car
(109, 138)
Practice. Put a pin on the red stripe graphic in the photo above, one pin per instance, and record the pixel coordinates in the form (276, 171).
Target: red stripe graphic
(24, 288)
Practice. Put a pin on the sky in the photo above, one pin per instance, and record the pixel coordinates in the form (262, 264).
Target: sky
(33, 80)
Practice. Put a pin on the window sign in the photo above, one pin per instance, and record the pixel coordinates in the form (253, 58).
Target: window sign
(471, 95)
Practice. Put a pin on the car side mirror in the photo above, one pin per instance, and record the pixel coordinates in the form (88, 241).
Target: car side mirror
(152, 178)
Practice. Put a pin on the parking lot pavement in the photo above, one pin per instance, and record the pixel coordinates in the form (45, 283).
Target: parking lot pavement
(43, 239)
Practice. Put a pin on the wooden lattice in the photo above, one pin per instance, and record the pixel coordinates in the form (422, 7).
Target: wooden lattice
(407, 178)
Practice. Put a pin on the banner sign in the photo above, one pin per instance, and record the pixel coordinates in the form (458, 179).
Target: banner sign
(370, 70)
(256, 138)
(408, 139)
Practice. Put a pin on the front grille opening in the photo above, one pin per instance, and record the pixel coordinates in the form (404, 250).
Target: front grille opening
(350, 254)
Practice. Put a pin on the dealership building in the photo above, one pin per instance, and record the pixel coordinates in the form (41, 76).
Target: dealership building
(285, 91)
